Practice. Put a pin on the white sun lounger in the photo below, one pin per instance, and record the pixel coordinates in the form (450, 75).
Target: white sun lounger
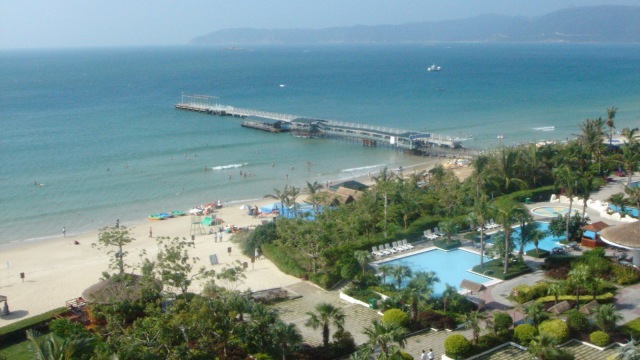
(407, 245)
(388, 247)
(375, 252)
(383, 251)
(397, 246)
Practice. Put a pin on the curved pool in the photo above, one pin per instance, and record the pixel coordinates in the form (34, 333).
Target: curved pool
(550, 211)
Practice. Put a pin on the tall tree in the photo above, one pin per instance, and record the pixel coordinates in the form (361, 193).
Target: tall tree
(544, 347)
(567, 180)
(286, 336)
(313, 190)
(325, 315)
(629, 160)
(175, 265)
(507, 213)
(535, 313)
(399, 273)
(611, 114)
(472, 320)
(481, 211)
(529, 232)
(592, 137)
(280, 195)
(115, 237)
(363, 258)
(578, 277)
(420, 287)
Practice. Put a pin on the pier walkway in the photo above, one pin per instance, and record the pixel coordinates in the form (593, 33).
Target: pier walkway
(309, 127)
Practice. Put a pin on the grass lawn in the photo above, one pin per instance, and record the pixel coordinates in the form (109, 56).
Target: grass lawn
(19, 351)
(496, 266)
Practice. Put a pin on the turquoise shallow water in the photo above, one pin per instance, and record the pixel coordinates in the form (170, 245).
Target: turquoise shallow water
(97, 127)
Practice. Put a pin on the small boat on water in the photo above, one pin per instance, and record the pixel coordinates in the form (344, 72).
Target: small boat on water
(433, 68)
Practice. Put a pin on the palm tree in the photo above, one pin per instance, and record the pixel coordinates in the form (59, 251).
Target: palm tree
(472, 321)
(385, 335)
(529, 232)
(606, 317)
(591, 138)
(481, 211)
(420, 287)
(449, 228)
(507, 212)
(383, 186)
(363, 258)
(611, 114)
(313, 189)
(578, 276)
(566, 179)
(618, 201)
(399, 272)
(634, 194)
(535, 313)
(280, 195)
(385, 269)
(51, 347)
(629, 161)
(286, 336)
(543, 346)
(556, 289)
(293, 193)
(325, 315)
(631, 135)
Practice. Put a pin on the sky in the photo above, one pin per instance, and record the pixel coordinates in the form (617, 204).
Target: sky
(109, 23)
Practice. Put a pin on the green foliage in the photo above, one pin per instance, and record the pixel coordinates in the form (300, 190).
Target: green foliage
(455, 345)
(632, 328)
(524, 333)
(395, 316)
(362, 294)
(523, 293)
(558, 226)
(557, 328)
(494, 269)
(488, 341)
(282, 258)
(557, 261)
(447, 245)
(540, 194)
(350, 270)
(16, 332)
(262, 234)
(578, 322)
(600, 338)
(540, 254)
(502, 322)
(625, 275)
(326, 279)
(602, 298)
(65, 328)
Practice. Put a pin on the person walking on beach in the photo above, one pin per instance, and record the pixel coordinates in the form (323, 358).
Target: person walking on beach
(150, 232)
(215, 237)
(64, 231)
(117, 223)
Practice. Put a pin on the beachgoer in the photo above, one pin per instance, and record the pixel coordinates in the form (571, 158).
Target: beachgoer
(117, 223)
(273, 164)
(64, 231)
(221, 237)
(215, 237)
(430, 355)
(423, 356)
(150, 232)
(76, 242)
(256, 253)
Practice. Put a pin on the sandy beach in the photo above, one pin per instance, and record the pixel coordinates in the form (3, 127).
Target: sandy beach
(57, 270)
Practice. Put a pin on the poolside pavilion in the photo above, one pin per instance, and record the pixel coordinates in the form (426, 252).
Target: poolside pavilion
(626, 236)
(591, 234)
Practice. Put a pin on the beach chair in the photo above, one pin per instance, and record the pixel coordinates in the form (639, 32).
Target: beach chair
(388, 248)
(403, 244)
(407, 245)
(437, 232)
(375, 252)
(383, 251)
(397, 246)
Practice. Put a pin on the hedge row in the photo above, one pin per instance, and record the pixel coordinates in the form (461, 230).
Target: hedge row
(603, 298)
(16, 332)
(283, 260)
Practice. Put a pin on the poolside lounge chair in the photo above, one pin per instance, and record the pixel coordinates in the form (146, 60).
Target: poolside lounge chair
(375, 252)
(429, 235)
(397, 246)
(437, 232)
(406, 244)
(388, 247)
(383, 251)
(403, 245)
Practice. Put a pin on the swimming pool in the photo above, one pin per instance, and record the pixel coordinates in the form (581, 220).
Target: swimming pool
(451, 266)
(547, 243)
(627, 210)
(550, 211)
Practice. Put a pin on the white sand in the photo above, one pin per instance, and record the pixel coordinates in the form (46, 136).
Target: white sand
(57, 270)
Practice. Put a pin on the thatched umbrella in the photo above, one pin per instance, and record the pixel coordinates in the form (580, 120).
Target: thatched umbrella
(626, 236)
(117, 288)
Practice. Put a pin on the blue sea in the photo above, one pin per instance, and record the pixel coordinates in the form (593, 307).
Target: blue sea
(90, 135)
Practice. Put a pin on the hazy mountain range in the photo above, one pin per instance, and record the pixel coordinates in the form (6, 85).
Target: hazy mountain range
(610, 24)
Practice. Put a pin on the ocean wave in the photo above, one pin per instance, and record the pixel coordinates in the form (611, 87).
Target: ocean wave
(363, 168)
(544, 128)
(230, 166)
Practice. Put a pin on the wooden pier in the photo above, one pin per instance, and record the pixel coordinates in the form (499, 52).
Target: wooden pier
(368, 135)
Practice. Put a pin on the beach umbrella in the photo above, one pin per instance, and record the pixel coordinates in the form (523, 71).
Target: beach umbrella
(626, 236)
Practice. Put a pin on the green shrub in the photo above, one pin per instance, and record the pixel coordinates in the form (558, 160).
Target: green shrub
(632, 328)
(600, 338)
(625, 275)
(350, 270)
(444, 245)
(66, 329)
(262, 234)
(456, 345)
(524, 333)
(523, 293)
(362, 294)
(502, 322)
(325, 279)
(557, 328)
(602, 298)
(557, 261)
(578, 322)
(488, 341)
(395, 316)
(540, 254)
(282, 259)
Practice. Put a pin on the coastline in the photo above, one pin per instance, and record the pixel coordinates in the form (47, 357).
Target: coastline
(56, 270)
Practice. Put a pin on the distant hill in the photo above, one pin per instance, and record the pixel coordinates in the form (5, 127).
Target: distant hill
(610, 24)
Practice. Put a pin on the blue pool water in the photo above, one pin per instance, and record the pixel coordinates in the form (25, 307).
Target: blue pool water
(547, 243)
(550, 211)
(451, 266)
(627, 210)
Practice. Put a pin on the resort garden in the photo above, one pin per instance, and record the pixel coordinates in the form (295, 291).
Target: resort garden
(165, 319)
